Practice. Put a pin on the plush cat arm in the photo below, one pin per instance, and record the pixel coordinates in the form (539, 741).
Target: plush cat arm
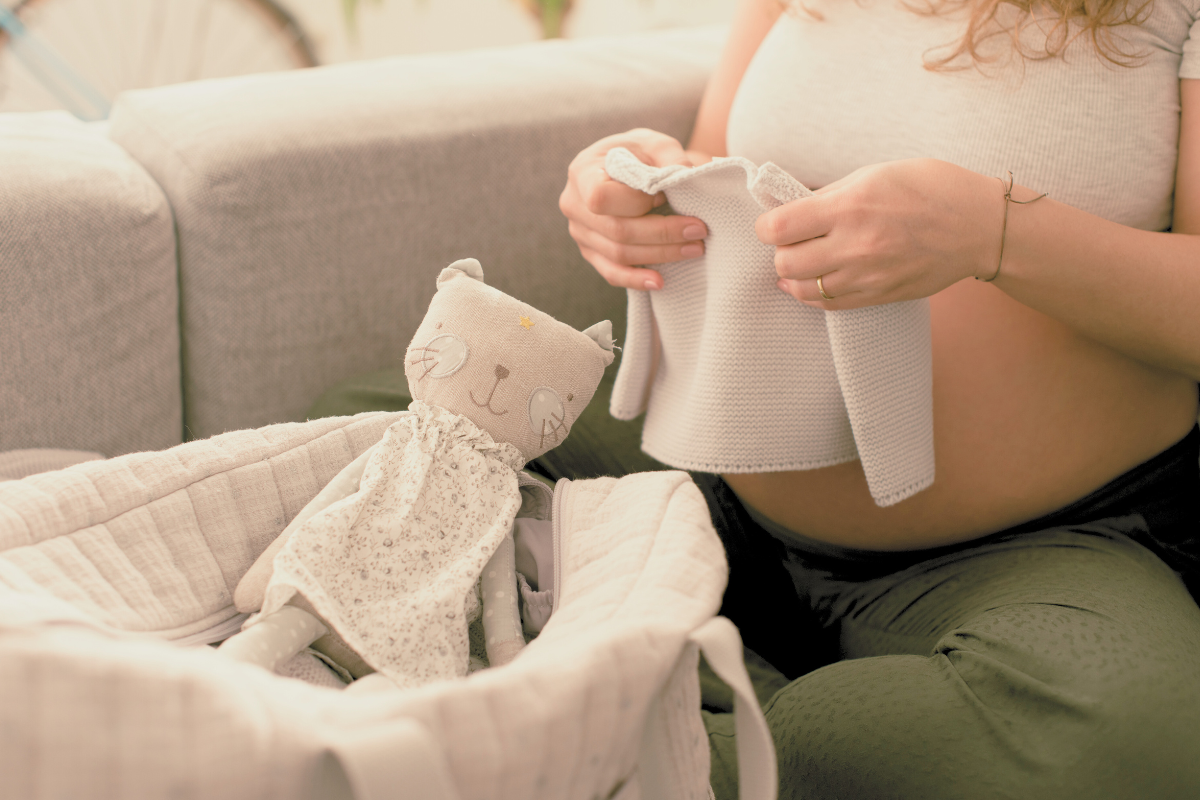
(248, 596)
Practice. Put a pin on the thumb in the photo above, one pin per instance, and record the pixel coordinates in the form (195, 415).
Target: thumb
(663, 152)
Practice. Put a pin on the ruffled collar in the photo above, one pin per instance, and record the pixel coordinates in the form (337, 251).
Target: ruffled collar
(431, 416)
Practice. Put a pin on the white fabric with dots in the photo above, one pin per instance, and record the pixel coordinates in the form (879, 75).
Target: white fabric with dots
(272, 641)
(309, 666)
(392, 568)
(501, 612)
(735, 376)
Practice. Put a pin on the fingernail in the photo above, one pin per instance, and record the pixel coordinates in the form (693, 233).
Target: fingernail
(781, 285)
(694, 232)
(651, 286)
(691, 250)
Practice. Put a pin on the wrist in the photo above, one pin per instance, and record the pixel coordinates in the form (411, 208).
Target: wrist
(1012, 197)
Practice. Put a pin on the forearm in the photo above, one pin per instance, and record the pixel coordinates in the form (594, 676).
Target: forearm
(1133, 290)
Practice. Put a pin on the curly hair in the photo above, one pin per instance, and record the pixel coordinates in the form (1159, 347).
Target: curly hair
(1096, 20)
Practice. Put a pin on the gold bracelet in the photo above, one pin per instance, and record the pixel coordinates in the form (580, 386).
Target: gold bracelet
(1004, 228)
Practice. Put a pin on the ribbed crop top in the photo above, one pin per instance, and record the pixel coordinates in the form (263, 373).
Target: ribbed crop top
(823, 98)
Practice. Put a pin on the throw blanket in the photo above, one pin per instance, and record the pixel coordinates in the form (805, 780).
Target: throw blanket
(393, 567)
(735, 376)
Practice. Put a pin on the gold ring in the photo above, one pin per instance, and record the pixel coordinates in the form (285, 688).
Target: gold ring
(821, 288)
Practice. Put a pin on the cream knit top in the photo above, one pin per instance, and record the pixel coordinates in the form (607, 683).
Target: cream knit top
(736, 377)
(823, 98)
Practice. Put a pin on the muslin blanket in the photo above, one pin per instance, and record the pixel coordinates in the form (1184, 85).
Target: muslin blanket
(393, 568)
(737, 377)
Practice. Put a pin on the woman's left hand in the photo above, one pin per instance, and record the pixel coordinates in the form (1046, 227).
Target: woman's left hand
(901, 230)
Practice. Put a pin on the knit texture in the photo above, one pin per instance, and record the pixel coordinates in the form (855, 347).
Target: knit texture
(747, 379)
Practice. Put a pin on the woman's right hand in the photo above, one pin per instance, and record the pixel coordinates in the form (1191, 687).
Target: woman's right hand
(610, 221)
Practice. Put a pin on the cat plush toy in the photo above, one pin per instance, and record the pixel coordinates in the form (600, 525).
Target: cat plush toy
(388, 565)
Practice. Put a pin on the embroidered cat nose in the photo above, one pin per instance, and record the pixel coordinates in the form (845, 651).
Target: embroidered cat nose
(501, 374)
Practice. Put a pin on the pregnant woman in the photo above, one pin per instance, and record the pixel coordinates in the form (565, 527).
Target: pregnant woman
(1024, 627)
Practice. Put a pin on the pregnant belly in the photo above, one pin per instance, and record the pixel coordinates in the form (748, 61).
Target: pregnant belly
(1028, 417)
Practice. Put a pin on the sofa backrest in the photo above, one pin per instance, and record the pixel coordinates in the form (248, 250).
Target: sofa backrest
(314, 209)
(89, 315)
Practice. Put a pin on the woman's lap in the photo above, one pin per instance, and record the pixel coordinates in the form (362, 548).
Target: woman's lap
(1062, 663)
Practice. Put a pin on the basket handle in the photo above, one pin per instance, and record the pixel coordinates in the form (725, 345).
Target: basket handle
(758, 776)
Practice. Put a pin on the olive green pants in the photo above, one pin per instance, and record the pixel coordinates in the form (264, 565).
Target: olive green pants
(1059, 664)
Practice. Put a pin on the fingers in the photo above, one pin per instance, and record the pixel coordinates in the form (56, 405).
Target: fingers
(797, 221)
(808, 292)
(627, 241)
(621, 275)
(651, 147)
(611, 222)
(623, 253)
(653, 229)
(601, 194)
(807, 259)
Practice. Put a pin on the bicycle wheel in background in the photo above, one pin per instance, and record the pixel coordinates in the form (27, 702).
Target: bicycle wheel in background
(116, 45)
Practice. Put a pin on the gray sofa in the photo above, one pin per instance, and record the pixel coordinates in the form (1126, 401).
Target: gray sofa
(220, 253)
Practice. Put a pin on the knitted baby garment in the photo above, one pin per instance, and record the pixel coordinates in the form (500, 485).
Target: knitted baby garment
(393, 568)
(737, 377)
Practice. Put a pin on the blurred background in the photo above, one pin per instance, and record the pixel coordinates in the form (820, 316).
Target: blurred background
(78, 54)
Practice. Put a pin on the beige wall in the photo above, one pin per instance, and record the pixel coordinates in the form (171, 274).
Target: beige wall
(392, 27)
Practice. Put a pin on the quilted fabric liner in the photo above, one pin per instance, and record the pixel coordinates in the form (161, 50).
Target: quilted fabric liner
(97, 556)
(156, 542)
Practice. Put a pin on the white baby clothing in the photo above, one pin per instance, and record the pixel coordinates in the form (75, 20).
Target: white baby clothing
(735, 376)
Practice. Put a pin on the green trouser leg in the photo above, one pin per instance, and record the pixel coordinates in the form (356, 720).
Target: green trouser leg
(1060, 664)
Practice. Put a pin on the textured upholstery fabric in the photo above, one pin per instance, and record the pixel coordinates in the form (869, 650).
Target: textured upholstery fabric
(89, 332)
(312, 206)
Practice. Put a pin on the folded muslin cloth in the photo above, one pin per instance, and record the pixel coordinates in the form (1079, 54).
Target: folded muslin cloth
(737, 377)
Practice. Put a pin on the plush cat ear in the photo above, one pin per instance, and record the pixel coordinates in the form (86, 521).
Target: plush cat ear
(464, 266)
(601, 334)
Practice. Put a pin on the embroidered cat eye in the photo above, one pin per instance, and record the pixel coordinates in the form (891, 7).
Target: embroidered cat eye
(442, 357)
(546, 415)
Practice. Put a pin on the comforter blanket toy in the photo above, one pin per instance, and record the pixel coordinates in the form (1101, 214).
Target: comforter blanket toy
(389, 565)
(734, 376)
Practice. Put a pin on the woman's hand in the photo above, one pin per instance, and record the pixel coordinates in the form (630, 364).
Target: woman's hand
(610, 221)
(888, 232)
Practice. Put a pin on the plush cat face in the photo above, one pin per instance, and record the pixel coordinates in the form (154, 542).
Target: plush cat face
(516, 372)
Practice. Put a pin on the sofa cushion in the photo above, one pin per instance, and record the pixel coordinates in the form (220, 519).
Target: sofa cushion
(89, 332)
(17, 464)
(315, 208)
